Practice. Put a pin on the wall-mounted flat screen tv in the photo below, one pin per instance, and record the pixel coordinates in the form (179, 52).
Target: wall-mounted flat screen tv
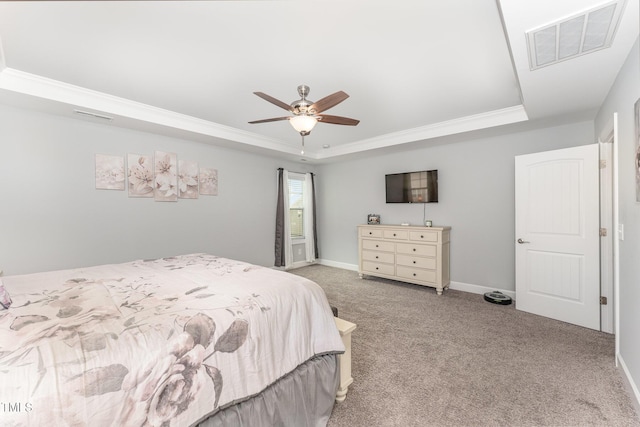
(412, 187)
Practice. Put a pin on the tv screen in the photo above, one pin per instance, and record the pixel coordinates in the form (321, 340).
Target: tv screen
(412, 187)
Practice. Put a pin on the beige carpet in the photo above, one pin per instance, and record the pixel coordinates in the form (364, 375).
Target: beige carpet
(455, 360)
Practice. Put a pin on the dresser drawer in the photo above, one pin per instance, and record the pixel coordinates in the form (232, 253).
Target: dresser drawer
(414, 261)
(396, 234)
(424, 236)
(416, 274)
(375, 267)
(378, 245)
(368, 232)
(415, 249)
(386, 257)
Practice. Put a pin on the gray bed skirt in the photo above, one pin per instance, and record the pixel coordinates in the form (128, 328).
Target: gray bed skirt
(304, 397)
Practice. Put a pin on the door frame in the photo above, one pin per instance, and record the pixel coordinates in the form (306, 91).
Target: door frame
(607, 321)
(609, 135)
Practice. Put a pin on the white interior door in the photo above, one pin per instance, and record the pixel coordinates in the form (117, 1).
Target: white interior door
(557, 235)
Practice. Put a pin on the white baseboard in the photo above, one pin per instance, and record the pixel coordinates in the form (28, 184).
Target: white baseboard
(632, 385)
(342, 265)
(478, 289)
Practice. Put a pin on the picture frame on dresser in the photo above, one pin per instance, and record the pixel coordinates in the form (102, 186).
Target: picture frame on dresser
(373, 219)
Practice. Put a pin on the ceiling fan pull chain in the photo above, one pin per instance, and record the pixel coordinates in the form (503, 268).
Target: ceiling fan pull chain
(302, 151)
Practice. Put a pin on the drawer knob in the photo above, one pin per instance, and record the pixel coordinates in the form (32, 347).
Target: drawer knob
(394, 234)
(377, 268)
(370, 233)
(421, 236)
(414, 274)
(377, 246)
(377, 257)
(414, 262)
(414, 249)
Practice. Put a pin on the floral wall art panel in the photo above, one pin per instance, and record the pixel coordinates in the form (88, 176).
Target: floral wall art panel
(166, 177)
(187, 179)
(109, 172)
(140, 173)
(208, 181)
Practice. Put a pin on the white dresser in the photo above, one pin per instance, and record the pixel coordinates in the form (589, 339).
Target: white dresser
(410, 253)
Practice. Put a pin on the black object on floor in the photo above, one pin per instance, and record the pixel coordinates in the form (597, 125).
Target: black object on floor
(335, 311)
(497, 297)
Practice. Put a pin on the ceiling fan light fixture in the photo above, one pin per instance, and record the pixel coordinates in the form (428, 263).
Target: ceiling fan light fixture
(305, 113)
(303, 123)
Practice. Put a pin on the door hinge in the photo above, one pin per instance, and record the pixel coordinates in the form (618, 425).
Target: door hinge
(603, 232)
(603, 164)
(603, 300)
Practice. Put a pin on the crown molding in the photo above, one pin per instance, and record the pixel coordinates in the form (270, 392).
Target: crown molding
(53, 90)
(126, 110)
(485, 120)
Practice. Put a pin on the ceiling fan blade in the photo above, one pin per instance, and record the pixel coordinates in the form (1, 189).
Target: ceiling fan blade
(337, 120)
(328, 102)
(275, 119)
(274, 101)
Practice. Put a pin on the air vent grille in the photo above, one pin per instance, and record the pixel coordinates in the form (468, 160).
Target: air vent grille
(577, 35)
(93, 115)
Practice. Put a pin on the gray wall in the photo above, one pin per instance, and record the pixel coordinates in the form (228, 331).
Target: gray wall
(621, 99)
(52, 217)
(476, 198)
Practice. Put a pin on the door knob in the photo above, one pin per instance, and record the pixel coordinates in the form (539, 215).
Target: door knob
(522, 241)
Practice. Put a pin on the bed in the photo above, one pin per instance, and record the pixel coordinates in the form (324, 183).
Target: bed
(182, 341)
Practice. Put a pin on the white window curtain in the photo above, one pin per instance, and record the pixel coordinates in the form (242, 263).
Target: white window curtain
(309, 218)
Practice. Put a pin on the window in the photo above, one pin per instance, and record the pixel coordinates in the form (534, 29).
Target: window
(296, 205)
(295, 242)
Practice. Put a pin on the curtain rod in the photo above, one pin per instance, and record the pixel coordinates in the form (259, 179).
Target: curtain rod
(302, 173)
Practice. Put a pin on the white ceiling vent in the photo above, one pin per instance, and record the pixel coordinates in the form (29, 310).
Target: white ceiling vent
(93, 115)
(577, 35)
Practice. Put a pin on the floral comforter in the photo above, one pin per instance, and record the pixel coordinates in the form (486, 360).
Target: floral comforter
(161, 342)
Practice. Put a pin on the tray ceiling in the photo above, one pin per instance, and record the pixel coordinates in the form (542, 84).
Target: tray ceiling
(415, 70)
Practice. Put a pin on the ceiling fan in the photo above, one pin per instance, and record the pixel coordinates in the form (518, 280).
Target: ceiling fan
(307, 113)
